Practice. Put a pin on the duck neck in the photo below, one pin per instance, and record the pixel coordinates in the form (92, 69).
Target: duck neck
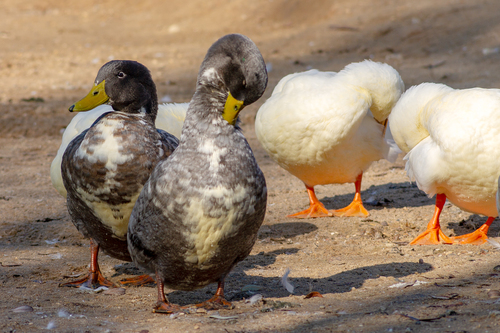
(204, 115)
(148, 108)
(380, 82)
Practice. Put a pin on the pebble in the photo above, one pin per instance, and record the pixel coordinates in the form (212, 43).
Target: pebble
(496, 268)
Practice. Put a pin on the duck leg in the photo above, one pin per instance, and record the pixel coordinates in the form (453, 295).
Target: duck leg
(316, 208)
(217, 301)
(477, 237)
(163, 305)
(356, 207)
(94, 279)
(433, 233)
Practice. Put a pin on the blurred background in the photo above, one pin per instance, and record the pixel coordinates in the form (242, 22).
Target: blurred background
(51, 50)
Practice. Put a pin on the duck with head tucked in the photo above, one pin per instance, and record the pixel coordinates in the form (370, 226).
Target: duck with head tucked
(199, 213)
(327, 128)
(104, 168)
(451, 139)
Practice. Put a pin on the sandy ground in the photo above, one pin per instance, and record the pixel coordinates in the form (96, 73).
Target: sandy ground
(370, 278)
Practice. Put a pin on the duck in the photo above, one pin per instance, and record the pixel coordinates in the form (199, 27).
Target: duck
(327, 128)
(170, 118)
(199, 213)
(104, 168)
(450, 137)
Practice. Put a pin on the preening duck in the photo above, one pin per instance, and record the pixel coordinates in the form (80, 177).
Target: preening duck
(199, 213)
(327, 128)
(170, 118)
(451, 138)
(104, 167)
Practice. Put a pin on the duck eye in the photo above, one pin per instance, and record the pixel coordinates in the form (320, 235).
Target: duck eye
(121, 75)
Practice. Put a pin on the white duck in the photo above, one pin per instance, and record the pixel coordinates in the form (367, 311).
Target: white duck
(451, 138)
(170, 118)
(327, 128)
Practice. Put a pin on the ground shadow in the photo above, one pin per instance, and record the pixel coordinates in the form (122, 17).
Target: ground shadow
(286, 230)
(377, 197)
(262, 259)
(272, 286)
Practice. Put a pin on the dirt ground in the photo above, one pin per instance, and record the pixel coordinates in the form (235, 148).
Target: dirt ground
(370, 278)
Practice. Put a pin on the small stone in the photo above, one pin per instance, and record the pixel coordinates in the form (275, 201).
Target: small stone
(197, 327)
(496, 268)
(201, 310)
(421, 261)
(494, 294)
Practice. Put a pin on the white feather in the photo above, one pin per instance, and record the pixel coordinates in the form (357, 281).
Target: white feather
(284, 281)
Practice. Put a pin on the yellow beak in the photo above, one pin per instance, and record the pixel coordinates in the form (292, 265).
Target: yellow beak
(94, 98)
(231, 109)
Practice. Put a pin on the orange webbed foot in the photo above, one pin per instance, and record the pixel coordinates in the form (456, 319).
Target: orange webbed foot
(431, 236)
(478, 237)
(91, 281)
(315, 210)
(167, 308)
(137, 281)
(215, 303)
(355, 209)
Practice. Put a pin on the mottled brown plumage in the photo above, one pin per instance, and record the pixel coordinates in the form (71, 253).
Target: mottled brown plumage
(106, 166)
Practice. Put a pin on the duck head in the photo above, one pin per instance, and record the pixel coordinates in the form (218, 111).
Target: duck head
(125, 85)
(235, 69)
